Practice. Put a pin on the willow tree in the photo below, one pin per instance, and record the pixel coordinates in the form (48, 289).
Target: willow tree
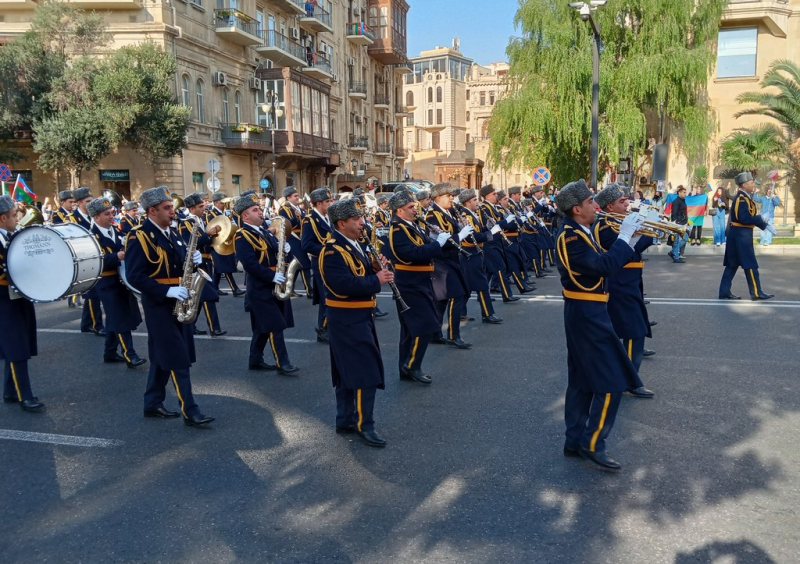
(655, 62)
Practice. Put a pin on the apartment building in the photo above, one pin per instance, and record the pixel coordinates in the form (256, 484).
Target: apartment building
(279, 95)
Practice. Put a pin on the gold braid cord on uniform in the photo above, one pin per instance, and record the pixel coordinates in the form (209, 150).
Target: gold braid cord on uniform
(751, 206)
(150, 248)
(259, 244)
(564, 256)
(416, 239)
(357, 269)
(605, 224)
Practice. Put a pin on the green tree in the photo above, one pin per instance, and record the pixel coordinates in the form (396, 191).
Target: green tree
(756, 149)
(782, 101)
(657, 56)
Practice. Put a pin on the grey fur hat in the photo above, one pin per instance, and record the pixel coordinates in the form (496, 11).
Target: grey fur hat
(244, 202)
(193, 199)
(6, 204)
(154, 196)
(501, 195)
(609, 194)
(320, 195)
(344, 209)
(132, 205)
(218, 196)
(400, 199)
(422, 195)
(384, 198)
(515, 190)
(98, 205)
(466, 195)
(82, 193)
(441, 189)
(288, 191)
(250, 192)
(571, 195)
(743, 177)
(400, 188)
(65, 195)
(486, 190)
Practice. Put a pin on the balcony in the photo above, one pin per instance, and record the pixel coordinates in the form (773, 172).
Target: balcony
(321, 69)
(357, 143)
(320, 21)
(389, 50)
(774, 14)
(403, 111)
(400, 153)
(359, 34)
(236, 26)
(246, 136)
(357, 90)
(383, 149)
(282, 51)
(403, 68)
(382, 102)
(104, 4)
(290, 6)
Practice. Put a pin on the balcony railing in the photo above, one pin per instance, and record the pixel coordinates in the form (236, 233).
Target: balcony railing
(321, 15)
(358, 142)
(383, 148)
(381, 100)
(400, 152)
(357, 88)
(323, 63)
(277, 40)
(360, 29)
(403, 67)
(246, 135)
(237, 26)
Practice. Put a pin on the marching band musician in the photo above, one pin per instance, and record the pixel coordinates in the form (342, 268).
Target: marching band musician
(92, 316)
(130, 216)
(599, 369)
(224, 265)
(413, 252)
(626, 306)
(515, 255)
(257, 249)
(368, 236)
(449, 284)
(154, 257)
(739, 246)
(496, 266)
(122, 311)
(315, 230)
(528, 232)
(473, 264)
(195, 205)
(66, 205)
(18, 328)
(546, 212)
(424, 199)
(351, 284)
(294, 215)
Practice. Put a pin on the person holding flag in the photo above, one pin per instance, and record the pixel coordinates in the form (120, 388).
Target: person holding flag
(22, 193)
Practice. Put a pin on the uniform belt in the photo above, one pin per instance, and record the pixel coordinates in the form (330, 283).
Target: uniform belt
(365, 304)
(109, 273)
(296, 230)
(206, 255)
(585, 296)
(468, 244)
(168, 281)
(737, 224)
(410, 268)
(634, 265)
(3, 282)
(273, 268)
(511, 233)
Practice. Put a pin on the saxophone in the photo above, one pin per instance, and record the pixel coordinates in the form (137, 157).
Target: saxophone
(187, 310)
(286, 290)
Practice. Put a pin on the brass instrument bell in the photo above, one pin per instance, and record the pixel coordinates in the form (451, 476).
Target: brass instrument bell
(223, 242)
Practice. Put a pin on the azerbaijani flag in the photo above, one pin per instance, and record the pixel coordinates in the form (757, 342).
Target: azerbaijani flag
(21, 191)
(695, 207)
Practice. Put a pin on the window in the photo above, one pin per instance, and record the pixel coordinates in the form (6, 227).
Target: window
(491, 98)
(439, 94)
(200, 110)
(185, 90)
(410, 98)
(236, 179)
(297, 120)
(439, 117)
(467, 116)
(275, 87)
(430, 95)
(410, 120)
(435, 140)
(225, 112)
(325, 116)
(383, 28)
(483, 98)
(237, 106)
(306, 97)
(197, 181)
(430, 117)
(467, 95)
(316, 113)
(736, 52)
(373, 18)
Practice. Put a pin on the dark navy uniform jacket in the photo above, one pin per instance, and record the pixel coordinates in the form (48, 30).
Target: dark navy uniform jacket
(314, 232)
(209, 293)
(351, 285)
(625, 301)
(126, 223)
(473, 266)
(61, 216)
(77, 217)
(122, 309)
(294, 241)
(154, 263)
(225, 264)
(596, 359)
(495, 249)
(258, 254)
(17, 318)
(413, 254)
(739, 243)
(448, 279)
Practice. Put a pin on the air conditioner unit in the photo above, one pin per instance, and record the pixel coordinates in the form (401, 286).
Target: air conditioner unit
(219, 78)
(334, 77)
(356, 11)
(391, 128)
(359, 119)
(255, 83)
(351, 62)
(294, 33)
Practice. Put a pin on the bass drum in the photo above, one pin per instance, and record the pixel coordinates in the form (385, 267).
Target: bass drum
(123, 276)
(50, 262)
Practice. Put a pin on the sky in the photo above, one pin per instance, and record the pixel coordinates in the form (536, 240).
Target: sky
(483, 27)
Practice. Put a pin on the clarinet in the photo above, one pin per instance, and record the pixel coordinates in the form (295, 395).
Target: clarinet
(463, 222)
(435, 229)
(395, 292)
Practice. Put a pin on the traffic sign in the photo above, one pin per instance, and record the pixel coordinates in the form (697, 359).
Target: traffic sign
(213, 184)
(5, 173)
(212, 166)
(264, 184)
(541, 176)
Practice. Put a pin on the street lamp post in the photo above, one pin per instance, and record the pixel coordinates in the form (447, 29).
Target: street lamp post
(354, 162)
(271, 109)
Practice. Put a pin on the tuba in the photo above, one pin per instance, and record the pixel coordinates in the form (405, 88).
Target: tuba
(32, 216)
(286, 290)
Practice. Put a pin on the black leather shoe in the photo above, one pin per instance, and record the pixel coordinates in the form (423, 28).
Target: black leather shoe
(349, 430)
(641, 392)
(762, 296)
(572, 452)
(648, 352)
(527, 289)
(494, 290)
(10, 399)
(322, 335)
(729, 296)
(379, 313)
(31, 405)
(115, 358)
(492, 319)
(406, 374)
(136, 361)
(546, 270)
(459, 343)
(238, 293)
(99, 332)
(161, 412)
(288, 369)
(222, 293)
(680, 260)
(199, 332)
(218, 333)
(601, 459)
(372, 438)
(262, 366)
(197, 420)
(437, 340)
(647, 302)
(653, 323)
(467, 318)
(511, 299)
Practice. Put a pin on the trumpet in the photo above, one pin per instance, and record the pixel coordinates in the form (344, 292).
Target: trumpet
(655, 229)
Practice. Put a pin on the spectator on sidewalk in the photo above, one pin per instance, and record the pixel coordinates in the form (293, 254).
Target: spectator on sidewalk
(768, 204)
(697, 230)
(718, 212)
(680, 216)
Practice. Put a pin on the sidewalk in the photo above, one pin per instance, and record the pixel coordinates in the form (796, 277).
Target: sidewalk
(711, 249)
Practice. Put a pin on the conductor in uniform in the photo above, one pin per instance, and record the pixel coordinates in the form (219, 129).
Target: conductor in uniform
(92, 316)
(599, 369)
(18, 326)
(739, 242)
(154, 257)
(352, 283)
(315, 230)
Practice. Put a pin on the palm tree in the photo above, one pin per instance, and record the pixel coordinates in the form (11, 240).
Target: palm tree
(782, 103)
(756, 149)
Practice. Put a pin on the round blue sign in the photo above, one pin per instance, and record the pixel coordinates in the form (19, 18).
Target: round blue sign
(264, 183)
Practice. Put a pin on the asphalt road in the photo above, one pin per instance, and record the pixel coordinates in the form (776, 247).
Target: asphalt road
(473, 470)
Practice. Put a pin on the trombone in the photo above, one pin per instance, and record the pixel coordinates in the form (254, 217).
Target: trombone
(649, 228)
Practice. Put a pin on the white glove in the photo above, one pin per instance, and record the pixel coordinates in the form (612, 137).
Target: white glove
(286, 248)
(279, 278)
(197, 258)
(465, 232)
(495, 229)
(511, 217)
(529, 215)
(629, 226)
(634, 240)
(772, 230)
(442, 238)
(178, 292)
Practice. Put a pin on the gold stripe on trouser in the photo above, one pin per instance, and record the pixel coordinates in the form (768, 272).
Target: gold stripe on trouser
(178, 391)
(450, 318)
(516, 279)
(14, 377)
(753, 278)
(502, 283)
(413, 353)
(91, 313)
(541, 256)
(274, 352)
(208, 317)
(535, 268)
(630, 349)
(358, 407)
(325, 322)
(483, 304)
(124, 348)
(305, 282)
(231, 281)
(602, 422)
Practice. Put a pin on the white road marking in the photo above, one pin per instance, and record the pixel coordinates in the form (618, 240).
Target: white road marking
(67, 440)
(206, 337)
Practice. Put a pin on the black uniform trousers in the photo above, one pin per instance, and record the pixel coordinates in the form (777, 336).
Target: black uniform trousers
(496, 268)
(229, 277)
(322, 312)
(455, 308)
(589, 418)
(210, 314)
(753, 281)
(156, 391)
(122, 339)
(16, 382)
(412, 347)
(355, 408)
(92, 316)
(258, 344)
(635, 350)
